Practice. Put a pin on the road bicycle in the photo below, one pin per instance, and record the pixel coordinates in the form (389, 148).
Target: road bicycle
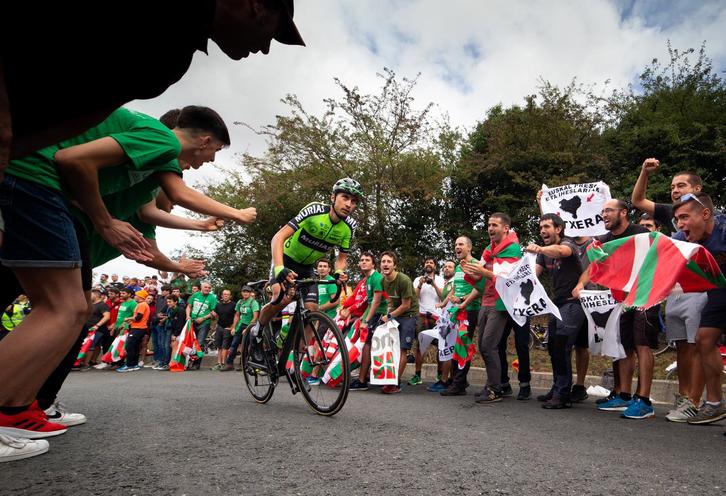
(538, 335)
(313, 356)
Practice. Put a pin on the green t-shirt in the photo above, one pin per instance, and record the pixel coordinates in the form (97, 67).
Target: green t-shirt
(246, 309)
(401, 287)
(125, 311)
(373, 284)
(149, 145)
(202, 305)
(463, 288)
(325, 293)
(448, 286)
(316, 234)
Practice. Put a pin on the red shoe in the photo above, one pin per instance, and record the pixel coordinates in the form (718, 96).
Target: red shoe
(391, 389)
(30, 424)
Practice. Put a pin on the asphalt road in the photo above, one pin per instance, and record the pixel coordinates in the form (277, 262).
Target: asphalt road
(200, 433)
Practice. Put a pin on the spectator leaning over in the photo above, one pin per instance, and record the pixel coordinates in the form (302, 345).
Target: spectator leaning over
(466, 299)
(682, 310)
(638, 330)
(326, 291)
(503, 248)
(697, 223)
(138, 326)
(402, 307)
(246, 313)
(199, 309)
(225, 312)
(559, 258)
(377, 307)
(428, 291)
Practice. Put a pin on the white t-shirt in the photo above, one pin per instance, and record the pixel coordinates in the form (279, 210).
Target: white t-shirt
(428, 298)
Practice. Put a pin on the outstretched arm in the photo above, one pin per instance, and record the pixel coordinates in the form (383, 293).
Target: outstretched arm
(638, 197)
(151, 214)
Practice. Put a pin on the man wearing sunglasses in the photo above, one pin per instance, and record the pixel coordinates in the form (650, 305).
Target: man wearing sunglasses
(683, 310)
(697, 222)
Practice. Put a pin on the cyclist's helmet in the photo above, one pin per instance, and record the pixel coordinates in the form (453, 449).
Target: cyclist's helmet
(350, 186)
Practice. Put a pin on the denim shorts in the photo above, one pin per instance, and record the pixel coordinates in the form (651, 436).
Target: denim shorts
(39, 228)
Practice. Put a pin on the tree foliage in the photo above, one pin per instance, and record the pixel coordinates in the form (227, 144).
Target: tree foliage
(427, 184)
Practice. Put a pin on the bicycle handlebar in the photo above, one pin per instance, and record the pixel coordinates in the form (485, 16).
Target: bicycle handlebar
(300, 283)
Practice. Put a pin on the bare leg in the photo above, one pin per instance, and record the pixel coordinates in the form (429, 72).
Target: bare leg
(582, 362)
(365, 363)
(34, 349)
(684, 358)
(698, 380)
(711, 363)
(645, 370)
(627, 367)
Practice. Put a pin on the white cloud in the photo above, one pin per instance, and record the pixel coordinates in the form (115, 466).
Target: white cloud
(471, 56)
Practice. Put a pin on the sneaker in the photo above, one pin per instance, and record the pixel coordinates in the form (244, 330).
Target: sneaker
(709, 414)
(555, 403)
(638, 409)
(29, 424)
(488, 396)
(579, 393)
(162, 367)
(357, 385)
(525, 393)
(453, 391)
(227, 368)
(17, 448)
(101, 366)
(57, 413)
(546, 397)
(391, 389)
(135, 368)
(678, 400)
(685, 411)
(415, 380)
(312, 381)
(436, 387)
(616, 404)
(216, 367)
(607, 398)
(140, 364)
(507, 390)
(122, 369)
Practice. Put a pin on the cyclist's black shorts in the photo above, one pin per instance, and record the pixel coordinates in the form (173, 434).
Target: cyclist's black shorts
(310, 294)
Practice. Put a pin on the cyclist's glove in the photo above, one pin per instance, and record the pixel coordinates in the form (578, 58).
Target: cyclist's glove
(281, 274)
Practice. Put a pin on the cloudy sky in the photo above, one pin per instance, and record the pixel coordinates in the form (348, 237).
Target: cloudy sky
(472, 54)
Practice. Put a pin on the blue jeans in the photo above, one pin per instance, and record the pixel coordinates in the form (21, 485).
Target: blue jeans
(155, 331)
(236, 340)
(163, 341)
(562, 337)
(201, 330)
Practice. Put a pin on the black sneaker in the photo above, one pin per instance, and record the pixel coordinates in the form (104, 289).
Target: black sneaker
(454, 391)
(507, 390)
(557, 404)
(578, 394)
(545, 397)
(357, 385)
(488, 396)
(607, 398)
(525, 393)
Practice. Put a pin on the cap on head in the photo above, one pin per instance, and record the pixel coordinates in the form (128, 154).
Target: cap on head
(142, 293)
(288, 33)
(246, 288)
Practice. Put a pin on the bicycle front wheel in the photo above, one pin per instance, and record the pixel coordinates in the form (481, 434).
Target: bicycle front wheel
(259, 367)
(322, 369)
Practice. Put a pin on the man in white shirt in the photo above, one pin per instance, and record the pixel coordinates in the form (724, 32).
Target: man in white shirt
(428, 290)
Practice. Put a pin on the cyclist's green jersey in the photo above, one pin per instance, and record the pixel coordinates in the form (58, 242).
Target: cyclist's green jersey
(316, 234)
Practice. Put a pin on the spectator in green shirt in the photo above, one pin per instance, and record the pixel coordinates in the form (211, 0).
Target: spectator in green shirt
(199, 311)
(326, 291)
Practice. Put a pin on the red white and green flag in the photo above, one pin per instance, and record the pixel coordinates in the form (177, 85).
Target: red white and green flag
(85, 348)
(642, 270)
(187, 349)
(355, 340)
(118, 347)
(464, 346)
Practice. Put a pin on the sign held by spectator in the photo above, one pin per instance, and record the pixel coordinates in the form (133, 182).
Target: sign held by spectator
(523, 294)
(579, 205)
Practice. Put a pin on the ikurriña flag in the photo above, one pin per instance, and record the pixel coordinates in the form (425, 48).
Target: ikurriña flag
(187, 348)
(643, 269)
(118, 347)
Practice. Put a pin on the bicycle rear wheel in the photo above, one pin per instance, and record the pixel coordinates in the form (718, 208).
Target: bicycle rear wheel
(259, 367)
(322, 369)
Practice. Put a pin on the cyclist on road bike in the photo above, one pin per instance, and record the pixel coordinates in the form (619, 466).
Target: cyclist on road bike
(310, 235)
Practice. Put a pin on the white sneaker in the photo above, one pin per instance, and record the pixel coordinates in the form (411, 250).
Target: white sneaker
(101, 366)
(141, 364)
(687, 410)
(57, 414)
(17, 448)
